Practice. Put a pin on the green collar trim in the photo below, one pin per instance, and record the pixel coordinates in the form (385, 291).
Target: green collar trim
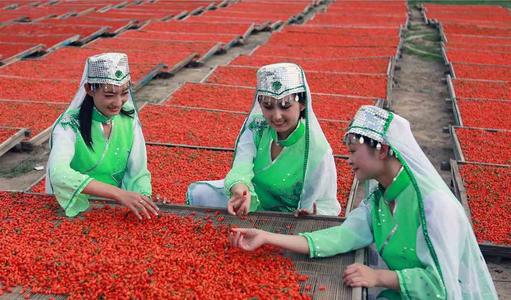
(292, 138)
(399, 184)
(99, 116)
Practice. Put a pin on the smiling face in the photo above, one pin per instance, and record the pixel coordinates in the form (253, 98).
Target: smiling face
(282, 114)
(108, 98)
(365, 161)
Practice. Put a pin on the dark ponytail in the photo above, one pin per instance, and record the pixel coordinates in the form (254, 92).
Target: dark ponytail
(302, 98)
(85, 119)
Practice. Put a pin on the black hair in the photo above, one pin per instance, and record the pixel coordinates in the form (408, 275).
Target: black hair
(302, 99)
(85, 116)
(368, 141)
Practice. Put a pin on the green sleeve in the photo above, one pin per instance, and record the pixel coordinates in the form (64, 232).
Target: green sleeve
(67, 184)
(354, 233)
(421, 283)
(242, 170)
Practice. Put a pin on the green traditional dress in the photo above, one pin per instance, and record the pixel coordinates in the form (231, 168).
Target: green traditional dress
(302, 174)
(277, 184)
(119, 160)
(427, 240)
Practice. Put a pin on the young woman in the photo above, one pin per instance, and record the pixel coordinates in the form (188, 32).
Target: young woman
(282, 161)
(97, 146)
(417, 225)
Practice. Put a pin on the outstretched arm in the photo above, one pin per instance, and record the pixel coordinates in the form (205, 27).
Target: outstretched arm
(250, 239)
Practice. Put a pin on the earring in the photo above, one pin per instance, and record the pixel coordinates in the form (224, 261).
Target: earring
(391, 152)
(297, 98)
(361, 140)
(378, 146)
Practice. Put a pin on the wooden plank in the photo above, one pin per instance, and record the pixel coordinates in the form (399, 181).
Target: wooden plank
(211, 6)
(276, 25)
(455, 109)
(183, 63)
(64, 43)
(92, 36)
(181, 15)
(197, 11)
(145, 80)
(14, 140)
(20, 55)
(451, 71)
(212, 51)
(249, 31)
(41, 137)
(458, 153)
(390, 82)
(234, 42)
(444, 54)
(224, 3)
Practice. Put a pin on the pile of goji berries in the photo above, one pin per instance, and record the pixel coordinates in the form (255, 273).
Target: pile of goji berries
(483, 89)
(108, 253)
(485, 113)
(486, 72)
(377, 65)
(176, 125)
(212, 96)
(174, 169)
(488, 198)
(496, 145)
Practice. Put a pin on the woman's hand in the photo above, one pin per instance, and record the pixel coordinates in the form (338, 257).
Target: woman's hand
(358, 275)
(248, 239)
(306, 212)
(139, 204)
(239, 203)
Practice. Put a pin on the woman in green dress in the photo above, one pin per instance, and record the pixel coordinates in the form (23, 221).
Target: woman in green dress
(282, 161)
(97, 145)
(418, 227)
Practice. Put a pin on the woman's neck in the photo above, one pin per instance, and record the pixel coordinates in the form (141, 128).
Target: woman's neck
(286, 134)
(391, 170)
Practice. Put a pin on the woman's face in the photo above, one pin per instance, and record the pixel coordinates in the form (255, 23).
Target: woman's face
(282, 114)
(109, 98)
(365, 161)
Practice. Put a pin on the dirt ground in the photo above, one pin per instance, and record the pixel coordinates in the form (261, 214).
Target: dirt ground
(419, 95)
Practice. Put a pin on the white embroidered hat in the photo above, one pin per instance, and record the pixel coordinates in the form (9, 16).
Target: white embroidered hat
(108, 68)
(372, 122)
(280, 80)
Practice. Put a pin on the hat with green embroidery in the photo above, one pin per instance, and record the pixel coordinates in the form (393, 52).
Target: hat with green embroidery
(372, 122)
(108, 68)
(280, 80)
